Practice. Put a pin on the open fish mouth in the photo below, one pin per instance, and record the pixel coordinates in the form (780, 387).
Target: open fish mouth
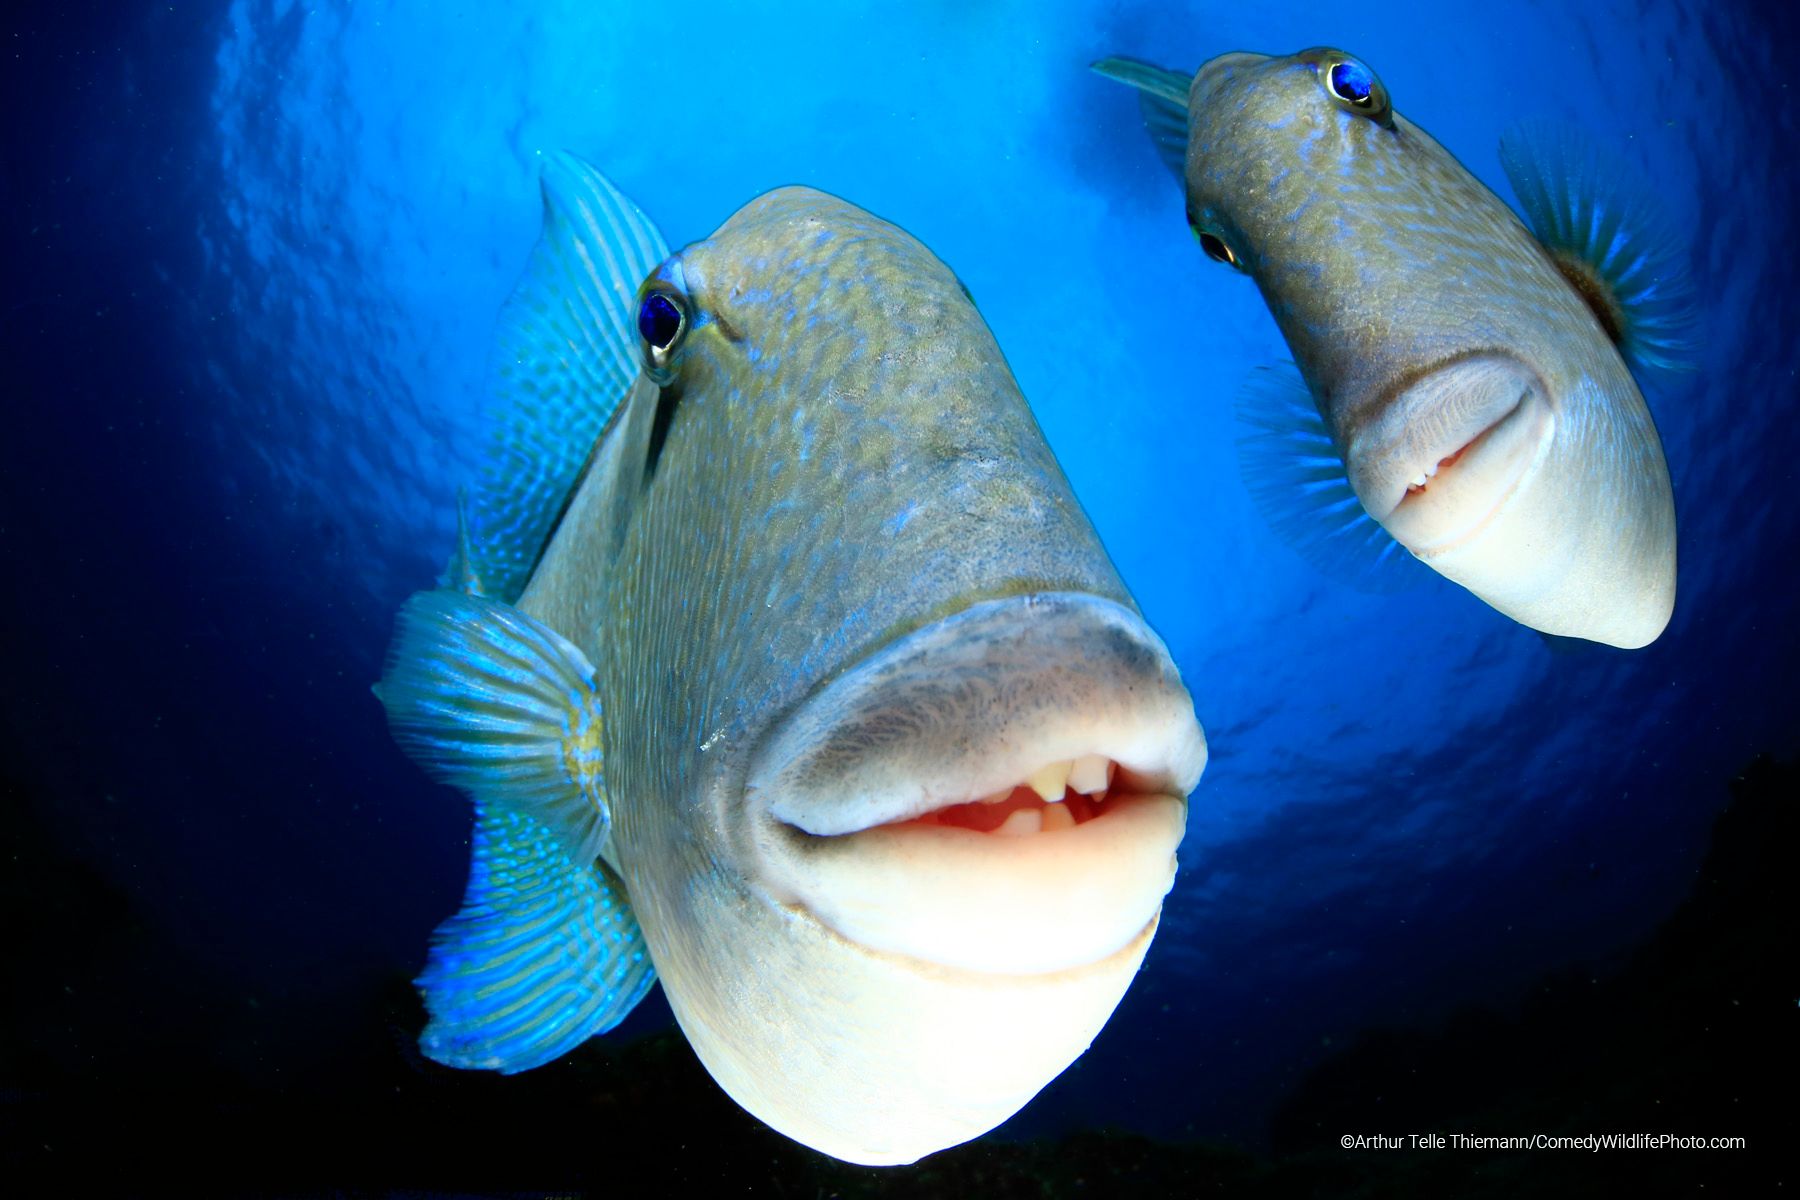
(1452, 449)
(1000, 792)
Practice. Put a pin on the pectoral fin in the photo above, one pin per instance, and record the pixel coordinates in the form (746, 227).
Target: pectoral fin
(546, 951)
(495, 703)
(1605, 227)
(1296, 477)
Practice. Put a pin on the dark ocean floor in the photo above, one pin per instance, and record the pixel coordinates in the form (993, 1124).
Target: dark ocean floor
(1693, 1034)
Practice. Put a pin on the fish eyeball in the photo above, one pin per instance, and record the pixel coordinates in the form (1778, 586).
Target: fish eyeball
(662, 322)
(1215, 248)
(1356, 88)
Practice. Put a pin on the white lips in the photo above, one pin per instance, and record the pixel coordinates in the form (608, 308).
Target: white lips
(995, 903)
(1055, 705)
(1445, 454)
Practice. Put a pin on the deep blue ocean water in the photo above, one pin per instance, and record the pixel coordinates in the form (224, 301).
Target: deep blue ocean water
(255, 255)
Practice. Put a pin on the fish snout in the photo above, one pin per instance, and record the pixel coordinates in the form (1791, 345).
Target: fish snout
(1442, 459)
(1000, 792)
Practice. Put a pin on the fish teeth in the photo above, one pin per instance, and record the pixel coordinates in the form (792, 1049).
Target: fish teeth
(1090, 773)
(1022, 822)
(994, 797)
(1050, 781)
(1419, 482)
(1057, 816)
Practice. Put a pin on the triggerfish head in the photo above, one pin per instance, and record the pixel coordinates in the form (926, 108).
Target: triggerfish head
(783, 665)
(1464, 376)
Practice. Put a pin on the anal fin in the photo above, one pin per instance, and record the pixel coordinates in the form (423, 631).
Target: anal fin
(544, 954)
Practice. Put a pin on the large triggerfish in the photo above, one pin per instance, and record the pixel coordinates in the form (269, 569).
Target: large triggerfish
(782, 664)
(1461, 376)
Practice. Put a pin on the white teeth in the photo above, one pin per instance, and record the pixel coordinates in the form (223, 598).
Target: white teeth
(1050, 781)
(1057, 816)
(994, 797)
(1420, 481)
(1022, 823)
(1090, 774)
(1433, 468)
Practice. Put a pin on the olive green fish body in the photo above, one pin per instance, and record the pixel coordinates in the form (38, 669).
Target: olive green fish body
(849, 637)
(1477, 396)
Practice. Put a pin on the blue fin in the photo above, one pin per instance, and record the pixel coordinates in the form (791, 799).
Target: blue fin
(544, 954)
(461, 574)
(491, 701)
(1608, 233)
(1163, 102)
(1296, 477)
(567, 354)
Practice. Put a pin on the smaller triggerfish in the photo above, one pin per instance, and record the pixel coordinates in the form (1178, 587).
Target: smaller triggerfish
(1462, 380)
(782, 664)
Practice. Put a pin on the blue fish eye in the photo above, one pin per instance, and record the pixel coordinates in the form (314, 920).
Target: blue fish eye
(1352, 83)
(660, 320)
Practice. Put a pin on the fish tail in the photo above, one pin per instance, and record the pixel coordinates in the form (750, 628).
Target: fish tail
(1609, 234)
(546, 951)
(1163, 103)
(566, 354)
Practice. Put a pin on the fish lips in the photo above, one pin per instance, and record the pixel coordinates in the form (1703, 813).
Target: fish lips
(842, 795)
(1447, 455)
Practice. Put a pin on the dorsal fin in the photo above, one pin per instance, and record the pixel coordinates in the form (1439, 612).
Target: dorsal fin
(566, 355)
(1162, 101)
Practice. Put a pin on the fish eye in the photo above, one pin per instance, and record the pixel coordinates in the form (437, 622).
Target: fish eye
(1354, 86)
(1211, 243)
(1215, 248)
(662, 322)
(1351, 83)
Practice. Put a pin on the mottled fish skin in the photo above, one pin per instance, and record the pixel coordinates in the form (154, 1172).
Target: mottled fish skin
(1385, 261)
(841, 457)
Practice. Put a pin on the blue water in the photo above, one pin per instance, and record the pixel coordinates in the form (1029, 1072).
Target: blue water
(260, 249)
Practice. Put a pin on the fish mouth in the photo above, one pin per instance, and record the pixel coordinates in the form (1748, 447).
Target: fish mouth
(1452, 449)
(1000, 792)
